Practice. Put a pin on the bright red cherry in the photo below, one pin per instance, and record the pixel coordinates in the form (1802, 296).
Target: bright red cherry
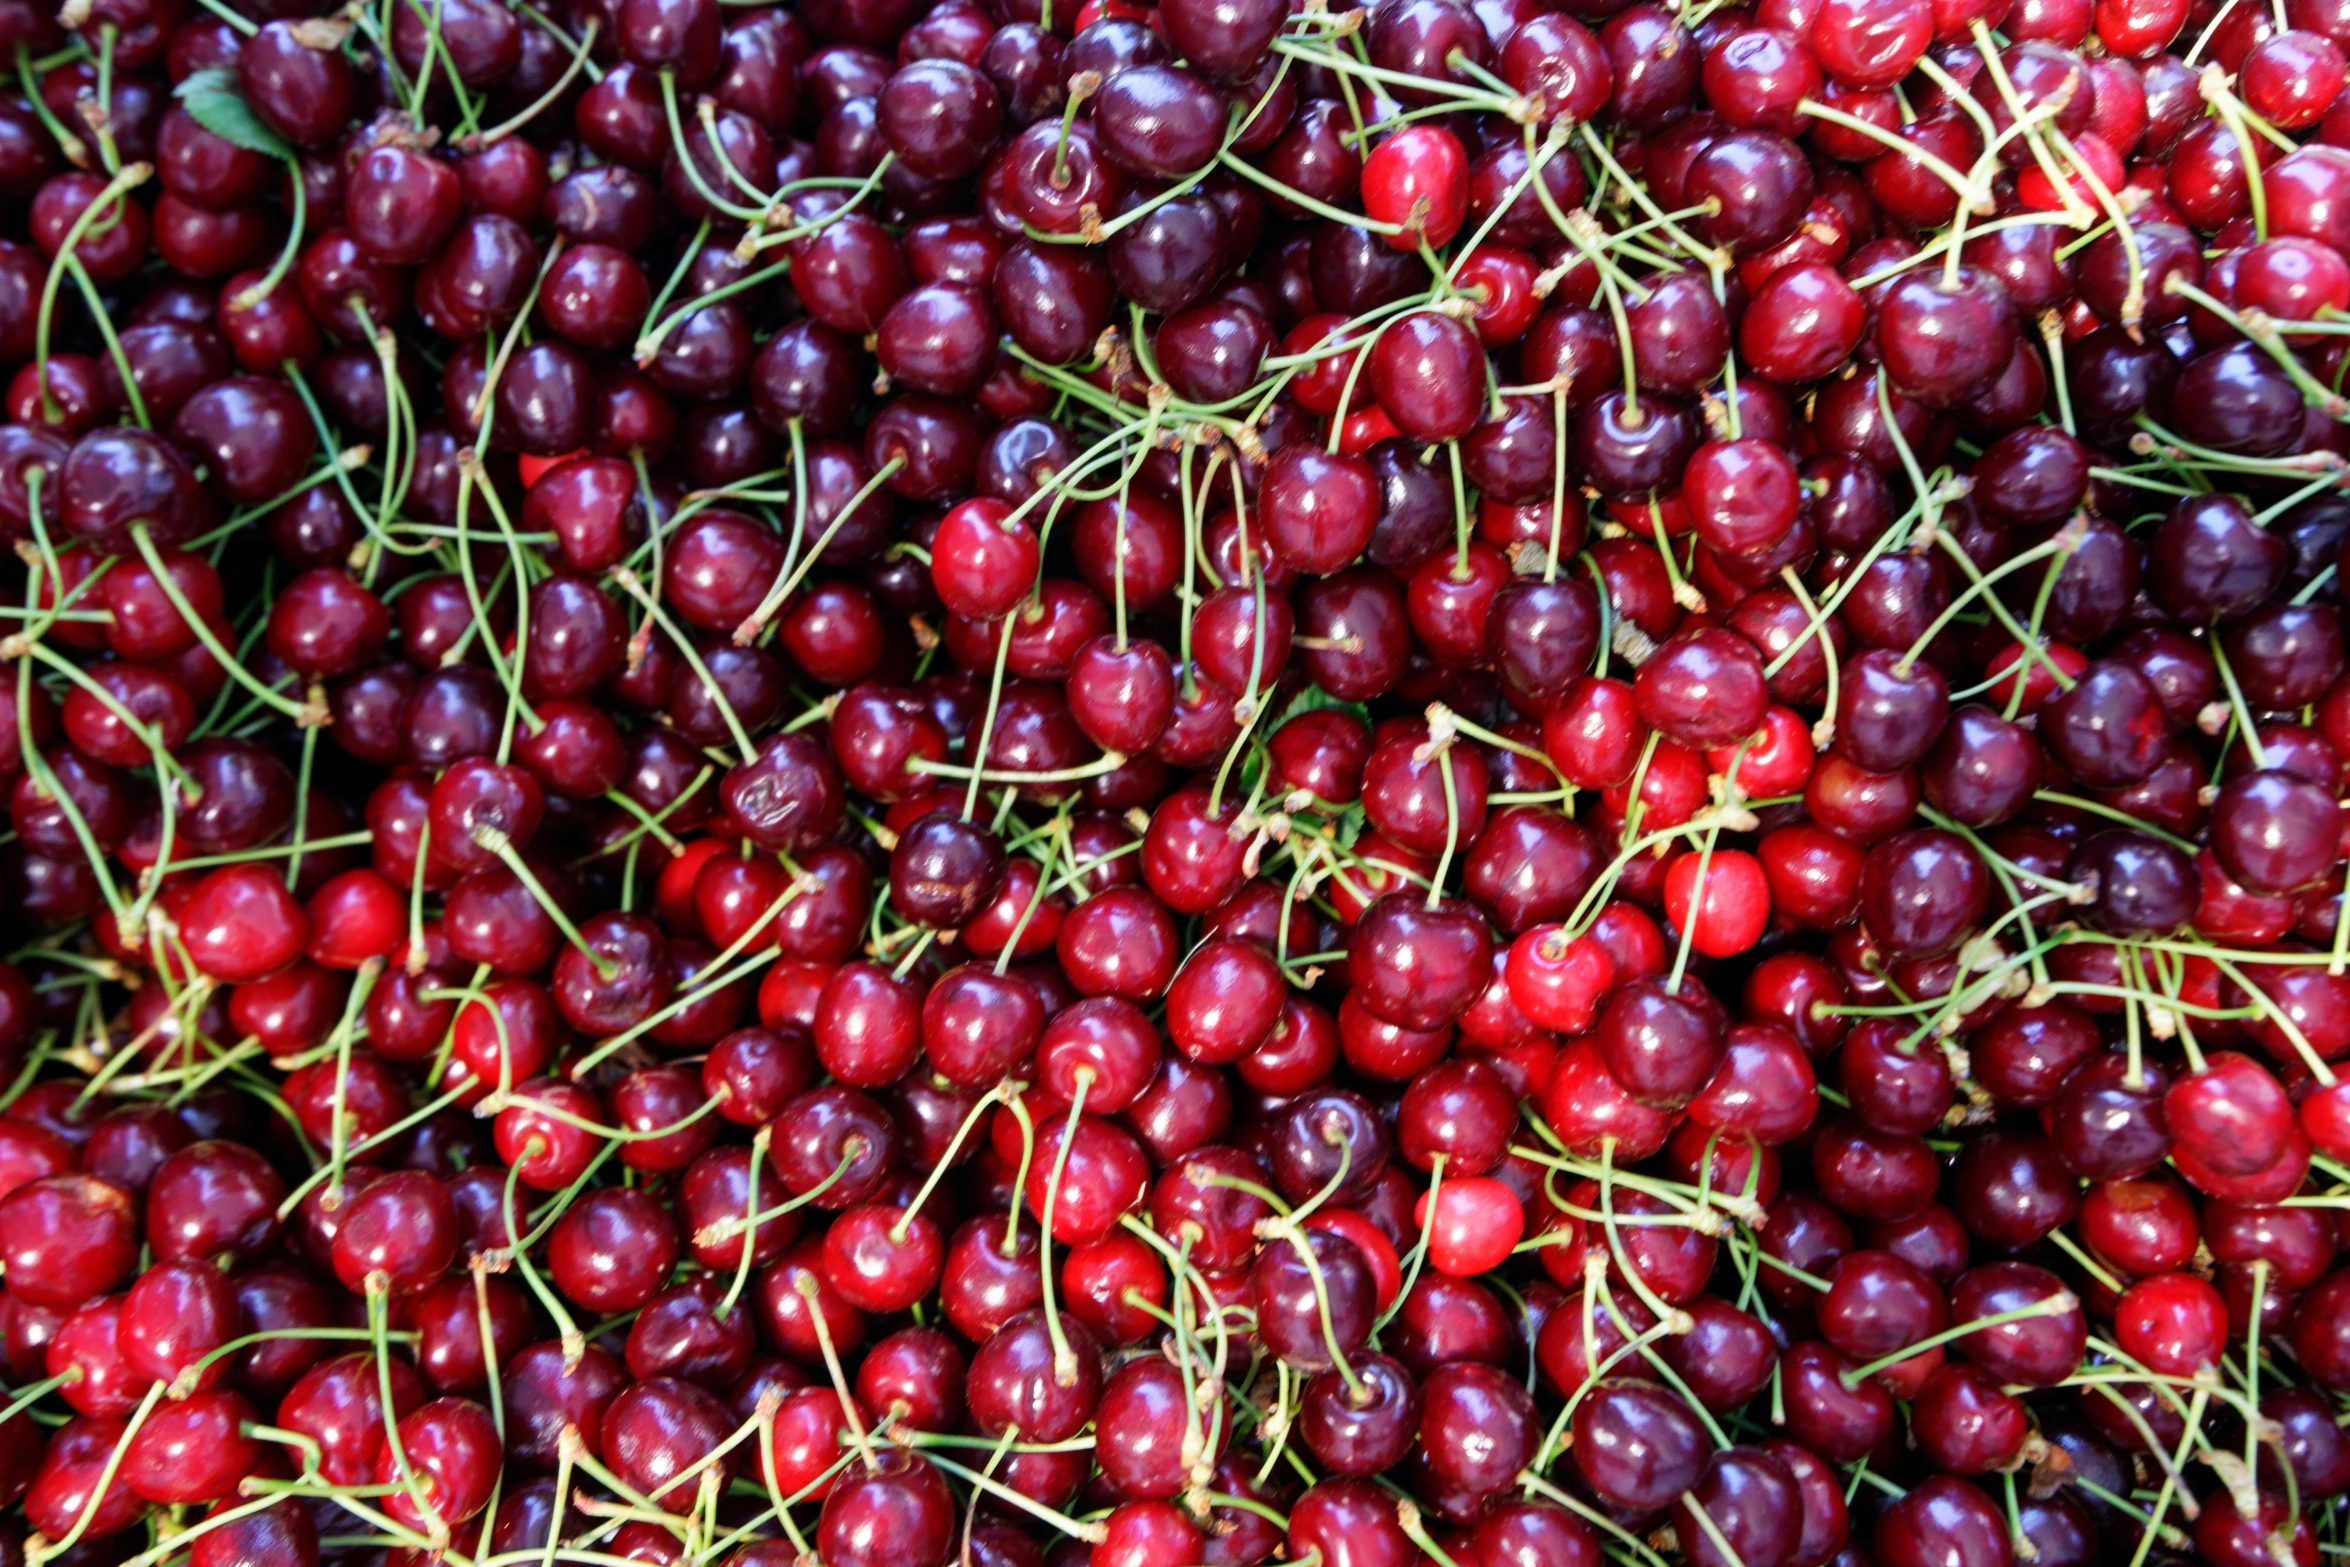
(2174, 1324)
(981, 561)
(1723, 900)
(1418, 179)
(1475, 1225)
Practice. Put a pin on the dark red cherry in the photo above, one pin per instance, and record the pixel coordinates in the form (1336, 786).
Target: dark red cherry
(1637, 1445)
(1294, 1301)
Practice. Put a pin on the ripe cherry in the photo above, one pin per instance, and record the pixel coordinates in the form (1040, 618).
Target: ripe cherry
(1722, 899)
(1418, 179)
(1473, 1224)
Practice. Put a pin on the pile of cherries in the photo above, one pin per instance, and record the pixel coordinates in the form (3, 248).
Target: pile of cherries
(887, 782)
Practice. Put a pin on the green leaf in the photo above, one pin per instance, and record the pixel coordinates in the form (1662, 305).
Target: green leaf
(1314, 699)
(213, 102)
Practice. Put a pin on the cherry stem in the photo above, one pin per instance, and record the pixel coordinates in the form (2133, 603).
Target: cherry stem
(145, 544)
(692, 170)
(2059, 1304)
(1535, 1484)
(994, 1096)
(1081, 87)
(67, 142)
(496, 841)
(761, 1140)
(566, 1329)
(1407, 1517)
(379, 1329)
(110, 199)
(1064, 1358)
(726, 1229)
(2213, 86)
(756, 624)
(811, 1292)
(33, 1392)
(1093, 1533)
(2064, 543)
(2089, 1264)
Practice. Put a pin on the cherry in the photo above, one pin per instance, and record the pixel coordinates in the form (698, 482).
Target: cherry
(544, 1391)
(2172, 1323)
(2140, 1227)
(2232, 1117)
(1444, 1319)
(1703, 690)
(654, 1432)
(2109, 1124)
(1940, 1517)
(1967, 1423)
(976, 1026)
(2141, 885)
(1103, 1176)
(2267, 834)
(1472, 1224)
(683, 1333)
(833, 1129)
(1018, 1378)
(1636, 1445)
(1417, 179)
(1896, 1085)
(1722, 899)
(1349, 1520)
(1461, 1112)
(660, 1106)
(212, 1199)
(161, 713)
(2013, 1188)
(1750, 1504)
(1877, 1305)
(1725, 1357)
(810, 1426)
(1921, 892)
(1660, 1042)
(1419, 967)
(126, 1146)
(1872, 1175)
(1293, 1300)
(338, 1404)
(1477, 1427)
(87, 1346)
(1889, 713)
(1139, 1534)
(944, 871)
(1098, 1279)
(1222, 1005)
(611, 1250)
(464, 1329)
(880, 1261)
(499, 1038)
(2297, 1251)
(66, 1238)
(1824, 1413)
(1119, 942)
(173, 1317)
(1361, 1434)
(869, 1025)
(77, 1485)
(1519, 1532)
(397, 1234)
(233, 1538)
(1142, 1427)
(2035, 1349)
(1540, 635)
